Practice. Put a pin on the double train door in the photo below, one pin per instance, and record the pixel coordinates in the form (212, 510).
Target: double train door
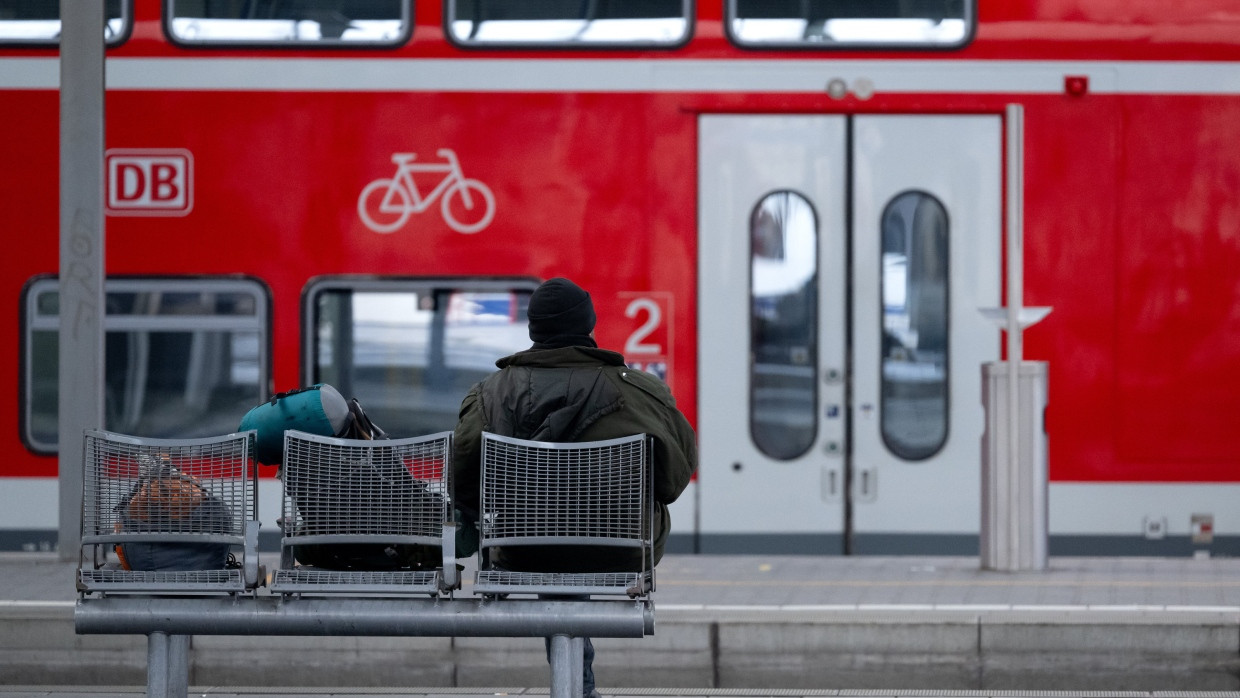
(842, 264)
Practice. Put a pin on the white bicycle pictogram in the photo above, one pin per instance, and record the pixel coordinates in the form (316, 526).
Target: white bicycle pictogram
(467, 205)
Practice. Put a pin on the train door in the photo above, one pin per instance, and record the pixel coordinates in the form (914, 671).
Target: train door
(842, 263)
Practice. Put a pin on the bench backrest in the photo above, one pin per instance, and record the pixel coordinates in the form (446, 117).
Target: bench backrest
(355, 496)
(594, 493)
(173, 509)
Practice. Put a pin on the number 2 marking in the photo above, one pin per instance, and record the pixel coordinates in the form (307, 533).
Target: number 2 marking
(635, 345)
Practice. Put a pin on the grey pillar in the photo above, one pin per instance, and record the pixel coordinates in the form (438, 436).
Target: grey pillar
(81, 251)
(1014, 488)
(167, 665)
(563, 668)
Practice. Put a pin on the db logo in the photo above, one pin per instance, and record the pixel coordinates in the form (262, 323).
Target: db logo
(153, 182)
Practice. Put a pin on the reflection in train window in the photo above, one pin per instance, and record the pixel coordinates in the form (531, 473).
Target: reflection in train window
(410, 349)
(183, 357)
(783, 325)
(284, 22)
(37, 22)
(829, 24)
(915, 323)
(578, 22)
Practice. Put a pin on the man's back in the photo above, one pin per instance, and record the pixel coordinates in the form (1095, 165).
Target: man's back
(576, 394)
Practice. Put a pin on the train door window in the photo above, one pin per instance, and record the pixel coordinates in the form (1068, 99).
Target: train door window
(825, 24)
(783, 325)
(915, 325)
(577, 22)
(37, 22)
(182, 357)
(285, 22)
(410, 349)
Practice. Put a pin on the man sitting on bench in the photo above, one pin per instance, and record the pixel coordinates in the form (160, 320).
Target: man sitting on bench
(565, 388)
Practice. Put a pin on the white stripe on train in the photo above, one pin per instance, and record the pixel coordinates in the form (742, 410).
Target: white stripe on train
(643, 75)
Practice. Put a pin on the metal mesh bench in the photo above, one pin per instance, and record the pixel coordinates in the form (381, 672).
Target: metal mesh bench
(593, 493)
(311, 601)
(323, 477)
(177, 512)
(366, 498)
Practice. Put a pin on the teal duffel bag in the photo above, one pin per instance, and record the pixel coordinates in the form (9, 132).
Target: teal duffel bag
(319, 409)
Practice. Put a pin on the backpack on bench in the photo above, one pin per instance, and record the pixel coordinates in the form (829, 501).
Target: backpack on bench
(317, 409)
(166, 500)
(376, 492)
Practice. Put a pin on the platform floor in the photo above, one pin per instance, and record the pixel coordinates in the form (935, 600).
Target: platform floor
(732, 626)
(698, 581)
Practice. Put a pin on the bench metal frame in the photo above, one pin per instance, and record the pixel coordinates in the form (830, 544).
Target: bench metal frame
(354, 606)
(169, 622)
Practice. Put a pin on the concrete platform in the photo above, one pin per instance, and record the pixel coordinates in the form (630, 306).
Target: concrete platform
(735, 625)
(417, 692)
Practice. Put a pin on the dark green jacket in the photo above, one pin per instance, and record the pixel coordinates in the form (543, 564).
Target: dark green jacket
(574, 394)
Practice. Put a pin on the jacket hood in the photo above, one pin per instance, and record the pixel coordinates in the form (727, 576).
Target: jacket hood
(566, 357)
(552, 394)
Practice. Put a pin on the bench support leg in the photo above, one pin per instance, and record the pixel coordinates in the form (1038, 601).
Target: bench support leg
(167, 665)
(566, 662)
(578, 660)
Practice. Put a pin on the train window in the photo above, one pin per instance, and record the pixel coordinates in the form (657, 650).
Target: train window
(915, 322)
(572, 22)
(783, 325)
(37, 22)
(289, 22)
(410, 349)
(183, 357)
(824, 24)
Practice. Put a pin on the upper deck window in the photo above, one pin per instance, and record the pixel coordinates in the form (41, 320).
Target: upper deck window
(37, 22)
(826, 24)
(289, 22)
(568, 22)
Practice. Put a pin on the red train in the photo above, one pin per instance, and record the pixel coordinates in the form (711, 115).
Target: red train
(792, 211)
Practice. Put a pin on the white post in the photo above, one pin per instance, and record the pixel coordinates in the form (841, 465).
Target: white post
(1015, 120)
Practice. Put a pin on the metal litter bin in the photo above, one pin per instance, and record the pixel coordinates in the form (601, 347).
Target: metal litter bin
(1014, 475)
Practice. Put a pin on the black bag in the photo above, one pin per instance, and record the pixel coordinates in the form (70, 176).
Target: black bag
(367, 557)
(167, 500)
(376, 498)
(359, 425)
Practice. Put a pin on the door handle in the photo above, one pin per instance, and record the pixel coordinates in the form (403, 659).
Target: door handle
(866, 485)
(830, 484)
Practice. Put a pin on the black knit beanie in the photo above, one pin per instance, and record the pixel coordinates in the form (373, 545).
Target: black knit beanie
(561, 314)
